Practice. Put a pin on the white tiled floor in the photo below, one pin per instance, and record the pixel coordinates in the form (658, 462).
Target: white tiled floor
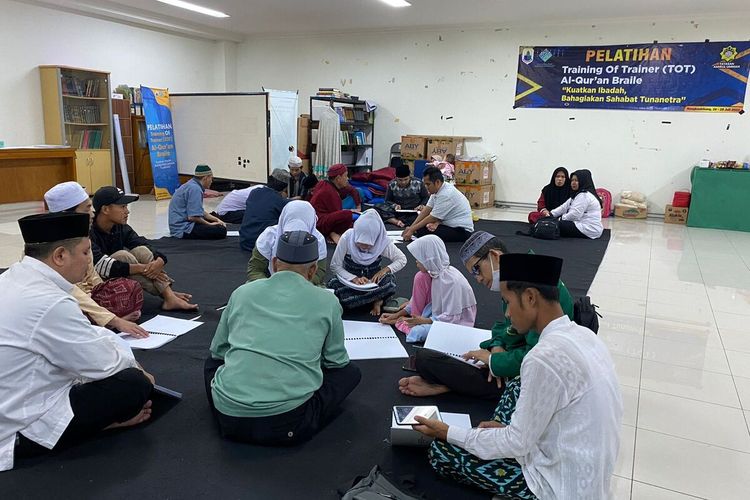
(676, 306)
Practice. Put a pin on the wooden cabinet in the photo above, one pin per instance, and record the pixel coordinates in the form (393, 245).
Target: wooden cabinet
(78, 113)
(28, 173)
(143, 179)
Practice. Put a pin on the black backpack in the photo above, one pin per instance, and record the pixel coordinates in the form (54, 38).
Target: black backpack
(546, 228)
(584, 313)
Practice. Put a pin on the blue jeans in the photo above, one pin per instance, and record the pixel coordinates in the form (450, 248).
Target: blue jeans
(419, 333)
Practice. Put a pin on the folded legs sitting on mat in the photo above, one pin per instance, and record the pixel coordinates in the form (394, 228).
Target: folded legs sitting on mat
(440, 373)
(501, 476)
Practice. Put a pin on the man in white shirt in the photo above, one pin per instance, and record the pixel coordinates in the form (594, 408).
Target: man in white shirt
(232, 208)
(61, 378)
(561, 441)
(447, 214)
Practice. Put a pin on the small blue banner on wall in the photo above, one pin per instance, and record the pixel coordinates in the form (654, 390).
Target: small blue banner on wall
(160, 141)
(707, 76)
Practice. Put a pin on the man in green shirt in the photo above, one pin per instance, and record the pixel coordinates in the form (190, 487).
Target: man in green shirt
(278, 369)
(502, 353)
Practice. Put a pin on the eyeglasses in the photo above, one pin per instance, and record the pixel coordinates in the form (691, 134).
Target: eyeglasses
(475, 267)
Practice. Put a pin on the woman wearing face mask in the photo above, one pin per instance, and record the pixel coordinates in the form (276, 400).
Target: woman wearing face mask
(553, 194)
(581, 215)
(449, 297)
(357, 260)
(503, 352)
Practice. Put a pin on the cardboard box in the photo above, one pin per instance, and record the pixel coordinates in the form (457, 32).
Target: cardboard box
(413, 147)
(675, 215)
(478, 196)
(405, 435)
(444, 146)
(630, 212)
(303, 136)
(474, 172)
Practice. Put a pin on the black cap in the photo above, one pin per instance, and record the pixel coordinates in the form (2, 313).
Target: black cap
(403, 171)
(530, 268)
(297, 247)
(55, 226)
(111, 195)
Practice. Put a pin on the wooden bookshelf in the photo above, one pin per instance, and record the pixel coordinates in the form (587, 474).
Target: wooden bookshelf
(143, 178)
(78, 113)
(357, 131)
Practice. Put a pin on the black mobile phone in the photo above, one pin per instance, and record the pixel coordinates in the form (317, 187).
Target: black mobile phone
(411, 364)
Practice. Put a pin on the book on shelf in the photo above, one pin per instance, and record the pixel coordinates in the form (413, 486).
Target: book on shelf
(72, 86)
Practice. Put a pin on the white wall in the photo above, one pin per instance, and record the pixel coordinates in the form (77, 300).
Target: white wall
(420, 76)
(31, 36)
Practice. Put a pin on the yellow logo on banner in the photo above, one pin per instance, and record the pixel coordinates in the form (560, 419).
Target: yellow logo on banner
(161, 96)
(728, 54)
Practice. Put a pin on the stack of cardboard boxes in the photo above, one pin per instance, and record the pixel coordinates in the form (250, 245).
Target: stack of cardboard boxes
(422, 147)
(474, 180)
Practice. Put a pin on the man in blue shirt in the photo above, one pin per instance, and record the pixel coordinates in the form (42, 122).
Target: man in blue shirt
(187, 218)
(263, 207)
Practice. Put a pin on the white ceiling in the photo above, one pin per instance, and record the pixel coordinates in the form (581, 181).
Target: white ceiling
(258, 17)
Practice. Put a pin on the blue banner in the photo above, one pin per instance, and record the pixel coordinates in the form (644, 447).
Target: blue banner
(707, 76)
(160, 141)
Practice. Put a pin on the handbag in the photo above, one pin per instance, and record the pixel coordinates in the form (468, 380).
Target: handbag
(546, 228)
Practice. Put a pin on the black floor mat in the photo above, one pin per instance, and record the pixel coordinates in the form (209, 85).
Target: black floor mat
(180, 454)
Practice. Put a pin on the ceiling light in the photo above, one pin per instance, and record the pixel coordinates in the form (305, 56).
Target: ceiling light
(194, 8)
(395, 3)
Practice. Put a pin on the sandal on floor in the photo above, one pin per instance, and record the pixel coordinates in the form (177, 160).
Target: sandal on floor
(394, 305)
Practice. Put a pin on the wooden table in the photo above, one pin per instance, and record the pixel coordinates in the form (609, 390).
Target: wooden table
(27, 173)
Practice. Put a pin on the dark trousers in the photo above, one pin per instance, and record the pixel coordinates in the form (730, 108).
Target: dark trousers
(568, 229)
(97, 405)
(206, 232)
(294, 426)
(233, 217)
(447, 233)
(462, 378)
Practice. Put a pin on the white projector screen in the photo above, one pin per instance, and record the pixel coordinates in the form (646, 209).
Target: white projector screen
(228, 132)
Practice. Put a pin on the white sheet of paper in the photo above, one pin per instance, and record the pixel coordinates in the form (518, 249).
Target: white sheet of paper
(370, 340)
(233, 233)
(162, 329)
(455, 340)
(402, 211)
(170, 325)
(366, 286)
(457, 419)
(153, 341)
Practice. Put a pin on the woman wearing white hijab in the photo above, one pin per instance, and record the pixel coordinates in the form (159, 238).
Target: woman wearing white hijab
(297, 215)
(357, 260)
(451, 297)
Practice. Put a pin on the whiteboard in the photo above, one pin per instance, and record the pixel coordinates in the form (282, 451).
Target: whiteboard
(228, 132)
(283, 126)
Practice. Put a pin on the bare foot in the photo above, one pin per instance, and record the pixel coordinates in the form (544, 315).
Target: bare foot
(132, 316)
(184, 296)
(142, 416)
(376, 308)
(175, 303)
(417, 386)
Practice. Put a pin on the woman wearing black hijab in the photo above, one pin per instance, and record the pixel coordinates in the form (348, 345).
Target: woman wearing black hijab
(553, 195)
(581, 215)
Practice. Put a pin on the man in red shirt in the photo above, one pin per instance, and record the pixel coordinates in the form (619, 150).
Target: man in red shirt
(333, 220)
